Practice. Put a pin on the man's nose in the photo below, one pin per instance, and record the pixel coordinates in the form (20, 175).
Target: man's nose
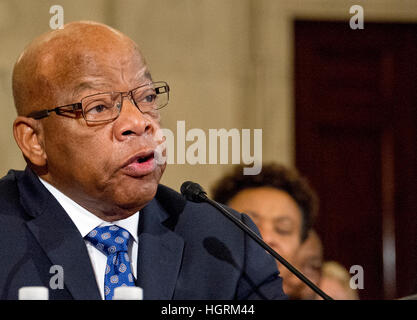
(132, 122)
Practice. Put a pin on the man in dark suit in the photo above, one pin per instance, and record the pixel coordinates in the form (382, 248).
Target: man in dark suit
(90, 201)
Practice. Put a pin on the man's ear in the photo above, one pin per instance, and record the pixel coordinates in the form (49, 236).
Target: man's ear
(28, 134)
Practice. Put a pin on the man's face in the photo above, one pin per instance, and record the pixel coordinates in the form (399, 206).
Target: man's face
(109, 168)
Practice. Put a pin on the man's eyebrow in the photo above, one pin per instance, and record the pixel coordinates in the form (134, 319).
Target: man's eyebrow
(99, 84)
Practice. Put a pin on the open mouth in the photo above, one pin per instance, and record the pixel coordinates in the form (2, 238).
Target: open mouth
(141, 164)
(145, 158)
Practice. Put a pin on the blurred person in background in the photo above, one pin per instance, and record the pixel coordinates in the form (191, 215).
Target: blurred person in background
(335, 281)
(309, 261)
(280, 202)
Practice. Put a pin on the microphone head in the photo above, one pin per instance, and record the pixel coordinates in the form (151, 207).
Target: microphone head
(193, 191)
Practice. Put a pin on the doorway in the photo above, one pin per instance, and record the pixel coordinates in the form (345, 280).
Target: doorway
(356, 141)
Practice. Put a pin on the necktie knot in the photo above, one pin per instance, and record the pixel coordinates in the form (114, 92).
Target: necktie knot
(109, 239)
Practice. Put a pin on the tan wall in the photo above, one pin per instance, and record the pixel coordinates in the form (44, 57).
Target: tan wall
(20, 22)
(229, 62)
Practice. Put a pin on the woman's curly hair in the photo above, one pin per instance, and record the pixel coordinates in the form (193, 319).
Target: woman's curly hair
(275, 176)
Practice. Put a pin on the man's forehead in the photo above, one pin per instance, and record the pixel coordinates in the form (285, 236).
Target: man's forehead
(96, 84)
(98, 69)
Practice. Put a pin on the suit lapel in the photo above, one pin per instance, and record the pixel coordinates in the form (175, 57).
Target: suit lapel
(160, 248)
(58, 237)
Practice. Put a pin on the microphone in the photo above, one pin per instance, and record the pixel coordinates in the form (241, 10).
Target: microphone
(194, 192)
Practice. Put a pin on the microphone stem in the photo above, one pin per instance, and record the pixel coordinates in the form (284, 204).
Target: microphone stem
(271, 251)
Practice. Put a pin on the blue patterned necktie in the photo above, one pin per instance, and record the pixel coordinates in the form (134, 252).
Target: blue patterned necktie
(113, 242)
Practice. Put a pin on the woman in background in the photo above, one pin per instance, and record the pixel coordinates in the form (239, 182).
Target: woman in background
(335, 281)
(280, 202)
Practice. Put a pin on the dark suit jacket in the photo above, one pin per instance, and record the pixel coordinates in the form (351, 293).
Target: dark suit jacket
(186, 250)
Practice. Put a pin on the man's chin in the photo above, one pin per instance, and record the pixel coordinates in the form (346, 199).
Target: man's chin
(130, 194)
(136, 195)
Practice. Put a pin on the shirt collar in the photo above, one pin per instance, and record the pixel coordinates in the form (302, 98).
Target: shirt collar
(84, 220)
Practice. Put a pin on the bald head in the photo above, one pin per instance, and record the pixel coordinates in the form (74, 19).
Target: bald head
(56, 65)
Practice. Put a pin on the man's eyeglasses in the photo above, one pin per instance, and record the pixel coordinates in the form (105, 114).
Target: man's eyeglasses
(104, 107)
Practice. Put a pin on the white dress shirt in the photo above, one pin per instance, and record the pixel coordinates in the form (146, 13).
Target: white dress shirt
(85, 221)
